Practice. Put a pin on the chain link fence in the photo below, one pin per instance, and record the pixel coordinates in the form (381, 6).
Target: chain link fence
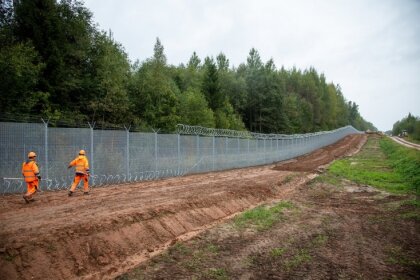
(121, 156)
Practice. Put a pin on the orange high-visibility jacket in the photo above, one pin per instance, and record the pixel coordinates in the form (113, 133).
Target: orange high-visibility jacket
(30, 171)
(82, 164)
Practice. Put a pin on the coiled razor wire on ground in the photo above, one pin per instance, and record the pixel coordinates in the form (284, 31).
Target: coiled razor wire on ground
(121, 156)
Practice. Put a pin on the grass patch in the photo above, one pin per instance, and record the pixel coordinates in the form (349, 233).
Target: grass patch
(277, 252)
(411, 216)
(412, 202)
(288, 179)
(368, 173)
(412, 140)
(381, 163)
(301, 257)
(320, 240)
(397, 256)
(404, 160)
(179, 248)
(216, 273)
(195, 263)
(262, 217)
(180, 255)
(211, 248)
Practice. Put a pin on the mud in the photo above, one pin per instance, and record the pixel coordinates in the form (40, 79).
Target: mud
(116, 228)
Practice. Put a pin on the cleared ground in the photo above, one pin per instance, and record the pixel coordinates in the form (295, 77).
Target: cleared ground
(117, 228)
(328, 228)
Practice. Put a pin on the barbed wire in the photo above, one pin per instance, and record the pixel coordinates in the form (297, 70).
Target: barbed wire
(155, 157)
(217, 132)
(183, 129)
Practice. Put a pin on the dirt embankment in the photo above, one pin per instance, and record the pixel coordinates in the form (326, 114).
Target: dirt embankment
(116, 228)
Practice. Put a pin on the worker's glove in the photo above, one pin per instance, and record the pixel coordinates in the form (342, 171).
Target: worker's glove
(39, 177)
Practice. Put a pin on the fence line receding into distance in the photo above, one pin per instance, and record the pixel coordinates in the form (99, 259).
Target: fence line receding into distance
(121, 156)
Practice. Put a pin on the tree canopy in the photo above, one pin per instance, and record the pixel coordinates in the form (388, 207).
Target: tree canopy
(55, 63)
(409, 124)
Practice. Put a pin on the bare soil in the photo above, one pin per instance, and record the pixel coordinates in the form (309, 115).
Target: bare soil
(118, 228)
(351, 232)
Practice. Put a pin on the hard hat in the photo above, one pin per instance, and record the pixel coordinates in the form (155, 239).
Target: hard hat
(31, 155)
(82, 152)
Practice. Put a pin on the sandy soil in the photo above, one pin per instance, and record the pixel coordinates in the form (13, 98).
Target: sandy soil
(116, 228)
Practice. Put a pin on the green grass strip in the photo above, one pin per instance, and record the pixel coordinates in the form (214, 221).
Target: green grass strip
(405, 161)
(384, 164)
(262, 217)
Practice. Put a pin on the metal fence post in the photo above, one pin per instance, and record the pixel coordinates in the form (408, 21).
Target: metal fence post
(294, 146)
(281, 154)
(92, 162)
(264, 151)
(127, 152)
(299, 144)
(198, 151)
(214, 151)
(257, 148)
(46, 146)
(156, 153)
(271, 150)
(179, 153)
(239, 147)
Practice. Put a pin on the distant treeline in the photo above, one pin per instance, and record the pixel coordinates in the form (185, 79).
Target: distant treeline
(54, 62)
(410, 125)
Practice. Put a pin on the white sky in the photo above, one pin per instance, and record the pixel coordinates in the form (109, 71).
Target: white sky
(370, 47)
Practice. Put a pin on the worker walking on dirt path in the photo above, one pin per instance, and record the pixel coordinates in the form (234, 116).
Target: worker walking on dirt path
(81, 165)
(30, 172)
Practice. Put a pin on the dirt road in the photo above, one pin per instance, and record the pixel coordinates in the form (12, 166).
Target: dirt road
(405, 143)
(116, 228)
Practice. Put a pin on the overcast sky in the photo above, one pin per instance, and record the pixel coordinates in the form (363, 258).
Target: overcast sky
(371, 48)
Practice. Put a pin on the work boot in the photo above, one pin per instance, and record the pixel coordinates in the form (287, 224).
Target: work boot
(86, 193)
(70, 193)
(26, 199)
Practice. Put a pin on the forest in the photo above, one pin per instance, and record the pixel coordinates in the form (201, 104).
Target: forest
(55, 63)
(410, 125)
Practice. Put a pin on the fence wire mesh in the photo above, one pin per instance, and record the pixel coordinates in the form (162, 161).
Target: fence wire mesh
(121, 156)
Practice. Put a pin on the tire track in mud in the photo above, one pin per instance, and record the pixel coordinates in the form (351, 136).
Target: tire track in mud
(116, 228)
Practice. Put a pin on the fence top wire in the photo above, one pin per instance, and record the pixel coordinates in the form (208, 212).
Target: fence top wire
(205, 131)
(180, 128)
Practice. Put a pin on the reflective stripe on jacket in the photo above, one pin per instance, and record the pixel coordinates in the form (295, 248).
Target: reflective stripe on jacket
(30, 171)
(81, 163)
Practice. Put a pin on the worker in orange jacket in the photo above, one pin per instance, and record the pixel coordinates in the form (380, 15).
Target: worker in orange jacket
(30, 172)
(81, 165)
